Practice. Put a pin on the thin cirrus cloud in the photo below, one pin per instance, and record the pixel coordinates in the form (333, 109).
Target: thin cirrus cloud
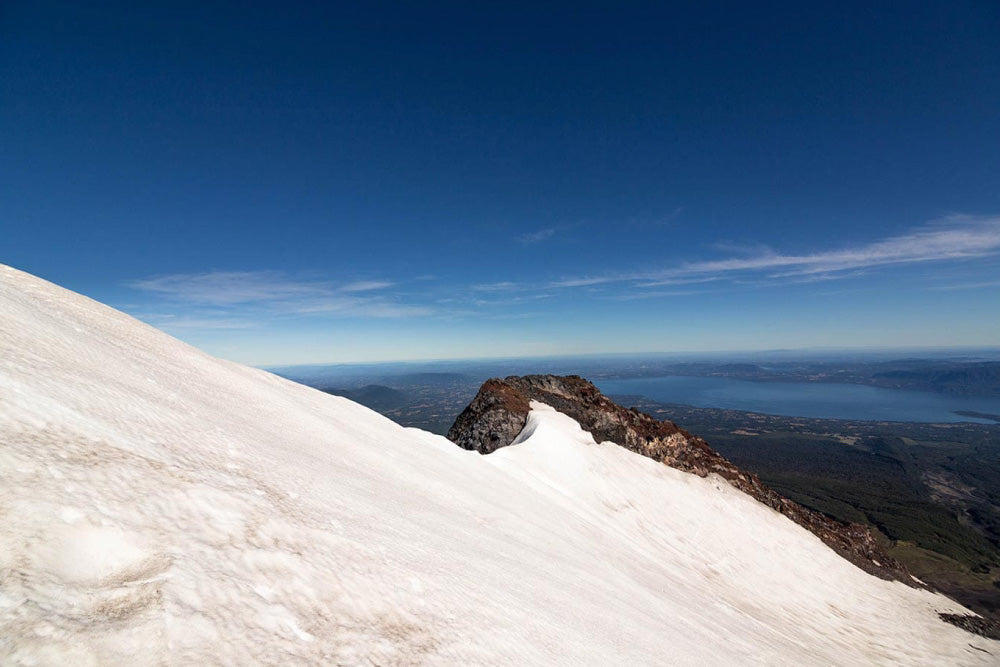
(654, 294)
(360, 308)
(366, 286)
(503, 286)
(955, 238)
(952, 239)
(963, 286)
(229, 288)
(239, 299)
(269, 293)
(586, 281)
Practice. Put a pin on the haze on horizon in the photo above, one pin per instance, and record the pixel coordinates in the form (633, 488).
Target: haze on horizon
(296, 184)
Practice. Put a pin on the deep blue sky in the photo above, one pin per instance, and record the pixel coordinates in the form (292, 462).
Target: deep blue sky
(287, 183)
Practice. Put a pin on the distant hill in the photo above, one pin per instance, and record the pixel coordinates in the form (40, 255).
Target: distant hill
(961, 379)
(430, 379)
(374, 396)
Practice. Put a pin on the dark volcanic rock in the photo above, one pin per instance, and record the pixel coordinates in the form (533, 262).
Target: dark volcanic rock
(974, 624)
(493, 419)
(500, 409)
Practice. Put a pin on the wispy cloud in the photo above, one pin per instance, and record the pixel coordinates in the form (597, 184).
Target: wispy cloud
(366, 286)
(510, 301)
(227, 288)
(652, 294)
(666, 282)
(955, 238)
(959, 286)
(359, 308)
(504, 286)
(964, 251)
(537, 236)
(586, 282)
(236, 299)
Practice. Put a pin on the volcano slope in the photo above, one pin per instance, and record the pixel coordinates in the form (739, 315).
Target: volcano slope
(159, 506)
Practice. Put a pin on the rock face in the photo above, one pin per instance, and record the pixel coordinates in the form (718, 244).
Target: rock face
(500, 409)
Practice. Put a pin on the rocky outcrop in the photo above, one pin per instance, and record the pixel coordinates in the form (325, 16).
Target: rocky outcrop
(977, 625)
(493, 419)
(500, 409)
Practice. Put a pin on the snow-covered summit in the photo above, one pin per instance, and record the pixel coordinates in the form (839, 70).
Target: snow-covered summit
(158, 505)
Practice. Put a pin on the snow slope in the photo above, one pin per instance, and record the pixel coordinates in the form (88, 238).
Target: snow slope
(160, 506)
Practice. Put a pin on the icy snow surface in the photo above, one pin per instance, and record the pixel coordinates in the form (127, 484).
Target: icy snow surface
(160, 506)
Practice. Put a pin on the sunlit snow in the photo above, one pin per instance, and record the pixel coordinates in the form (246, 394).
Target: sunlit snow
(162, 506)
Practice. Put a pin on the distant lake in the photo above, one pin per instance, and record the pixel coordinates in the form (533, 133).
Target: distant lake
(805, 399)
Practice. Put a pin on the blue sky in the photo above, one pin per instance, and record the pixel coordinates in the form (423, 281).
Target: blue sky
(286, 184)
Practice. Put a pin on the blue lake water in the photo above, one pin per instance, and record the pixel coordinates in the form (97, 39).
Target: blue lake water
(805, 399)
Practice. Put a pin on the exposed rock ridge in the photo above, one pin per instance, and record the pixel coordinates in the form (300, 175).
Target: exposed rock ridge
(499, 412)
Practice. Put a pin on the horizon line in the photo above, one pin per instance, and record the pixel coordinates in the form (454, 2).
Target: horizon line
(683, 353)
